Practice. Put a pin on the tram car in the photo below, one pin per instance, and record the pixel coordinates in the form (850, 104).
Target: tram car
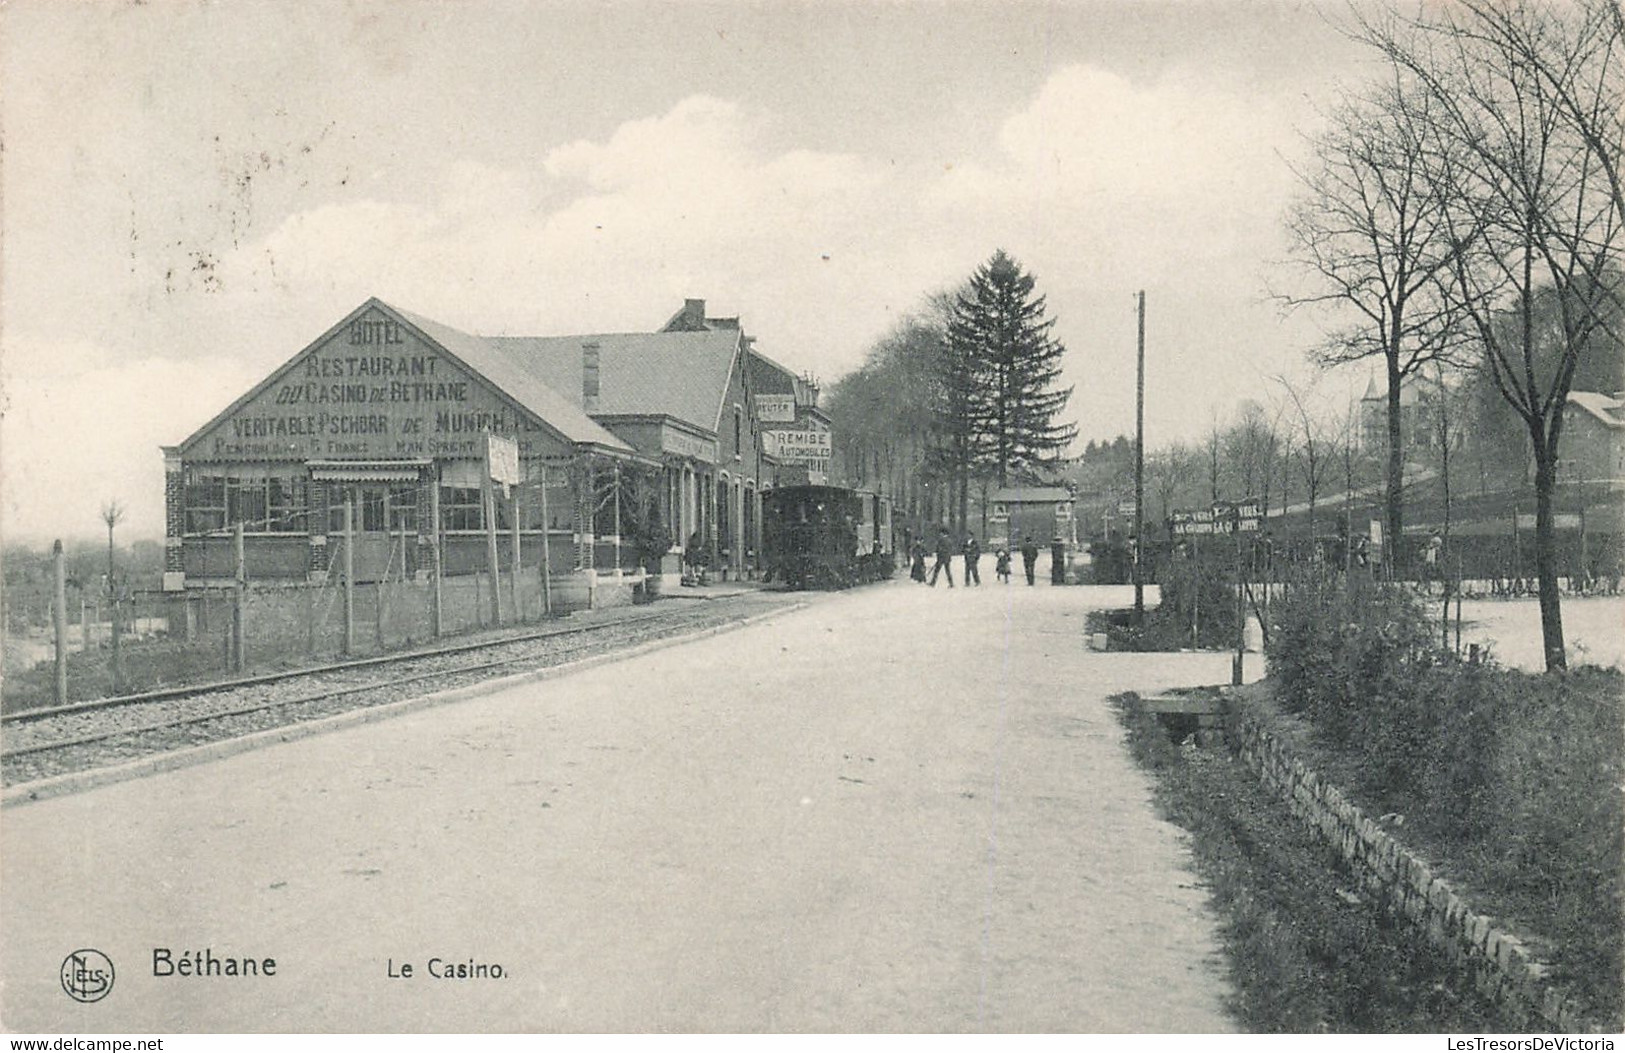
(826, 537)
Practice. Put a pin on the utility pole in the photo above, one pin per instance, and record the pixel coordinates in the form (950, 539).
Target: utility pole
(1139, 470)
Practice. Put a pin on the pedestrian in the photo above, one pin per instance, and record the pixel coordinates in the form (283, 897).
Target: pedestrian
(1029, 558)
(916, 558)
(973, 559)
(1430, 562)
(1002, 567)
(945, 555)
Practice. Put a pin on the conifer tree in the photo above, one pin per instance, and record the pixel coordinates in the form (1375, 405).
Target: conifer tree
(1004, 368)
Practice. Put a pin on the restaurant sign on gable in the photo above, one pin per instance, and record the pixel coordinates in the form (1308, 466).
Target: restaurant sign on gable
(373, 390)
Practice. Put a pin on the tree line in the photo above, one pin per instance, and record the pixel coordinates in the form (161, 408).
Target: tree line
(1463, 210)
(1458, 223)
(963, 394)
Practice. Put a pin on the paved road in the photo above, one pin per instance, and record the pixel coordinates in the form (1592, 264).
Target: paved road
(900, 809)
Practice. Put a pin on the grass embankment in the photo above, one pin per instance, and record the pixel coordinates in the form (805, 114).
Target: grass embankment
(1307, 953)
(1508, 781)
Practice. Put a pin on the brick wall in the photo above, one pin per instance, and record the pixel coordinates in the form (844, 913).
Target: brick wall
(174, 513)
(1500, 965)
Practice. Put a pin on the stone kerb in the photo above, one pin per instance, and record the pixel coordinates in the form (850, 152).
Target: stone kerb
(1502, 967)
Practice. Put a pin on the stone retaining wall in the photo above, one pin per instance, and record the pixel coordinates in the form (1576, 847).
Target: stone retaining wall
(1498, 962)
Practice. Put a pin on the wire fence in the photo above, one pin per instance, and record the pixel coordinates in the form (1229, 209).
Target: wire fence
(167, 639)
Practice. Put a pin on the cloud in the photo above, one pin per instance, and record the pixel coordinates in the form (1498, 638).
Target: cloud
(699, 136)
(608, 234)
(1093, 136)
(1100, 185)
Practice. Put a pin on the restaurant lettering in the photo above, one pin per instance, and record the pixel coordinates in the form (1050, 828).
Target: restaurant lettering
(357, 379)
(365, 331)
(333, 404)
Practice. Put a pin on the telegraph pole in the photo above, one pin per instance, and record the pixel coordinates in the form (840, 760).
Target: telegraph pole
(1139, 470)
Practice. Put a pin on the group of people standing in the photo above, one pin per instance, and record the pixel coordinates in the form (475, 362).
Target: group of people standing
(972, 551)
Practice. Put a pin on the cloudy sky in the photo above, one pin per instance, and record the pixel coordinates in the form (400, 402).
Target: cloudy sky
(194, 191)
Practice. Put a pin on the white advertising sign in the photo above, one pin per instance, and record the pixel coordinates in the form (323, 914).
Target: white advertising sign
(801, 447)
(502, 453)
(776, 409)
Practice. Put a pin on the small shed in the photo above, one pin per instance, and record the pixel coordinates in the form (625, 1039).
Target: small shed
(1043, 513)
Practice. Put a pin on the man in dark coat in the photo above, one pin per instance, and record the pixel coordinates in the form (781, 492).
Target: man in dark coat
(973, 555)
(945, 553)
(1029, 558)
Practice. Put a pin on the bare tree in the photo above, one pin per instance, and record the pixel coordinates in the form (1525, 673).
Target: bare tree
(1307, 446)
(1371, 230)
(113, 515)
(1213, 445)
(1171, 472)
(1524, 102)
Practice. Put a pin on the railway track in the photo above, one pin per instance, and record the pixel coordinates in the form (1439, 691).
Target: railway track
(87, 735)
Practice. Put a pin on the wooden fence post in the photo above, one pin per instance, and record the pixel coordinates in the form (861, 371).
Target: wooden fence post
(349, 574)
(239, 584)
(437, 611)
(59, 596)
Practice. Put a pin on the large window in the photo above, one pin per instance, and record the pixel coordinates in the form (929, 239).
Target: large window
(402, 503)
(263, 503)
(560, 505)
(205, 503)
(288, 504)
(460, 508)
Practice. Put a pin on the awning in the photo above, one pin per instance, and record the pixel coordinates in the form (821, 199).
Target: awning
(407, 471)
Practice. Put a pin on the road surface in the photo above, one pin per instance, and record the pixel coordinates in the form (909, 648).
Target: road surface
(901, 809)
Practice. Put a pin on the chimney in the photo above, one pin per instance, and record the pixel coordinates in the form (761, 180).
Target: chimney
(691, 319)
(589, 377)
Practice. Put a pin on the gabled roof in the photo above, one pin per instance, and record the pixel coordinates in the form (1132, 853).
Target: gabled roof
(1607, 409)
(771, 376)
(677, 374)
(768, 374)
(480, 355)
(475, 355)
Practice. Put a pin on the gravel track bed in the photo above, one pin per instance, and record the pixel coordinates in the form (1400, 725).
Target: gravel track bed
(305, 698)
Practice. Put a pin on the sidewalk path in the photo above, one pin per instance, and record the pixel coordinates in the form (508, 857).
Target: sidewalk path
(902, 809)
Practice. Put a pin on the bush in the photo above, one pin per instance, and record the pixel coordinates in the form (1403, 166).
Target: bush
(1516, 774)
(1347, 654)
(1199, 594)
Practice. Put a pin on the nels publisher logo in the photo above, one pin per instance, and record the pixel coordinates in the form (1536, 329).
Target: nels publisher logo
(87, 975)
